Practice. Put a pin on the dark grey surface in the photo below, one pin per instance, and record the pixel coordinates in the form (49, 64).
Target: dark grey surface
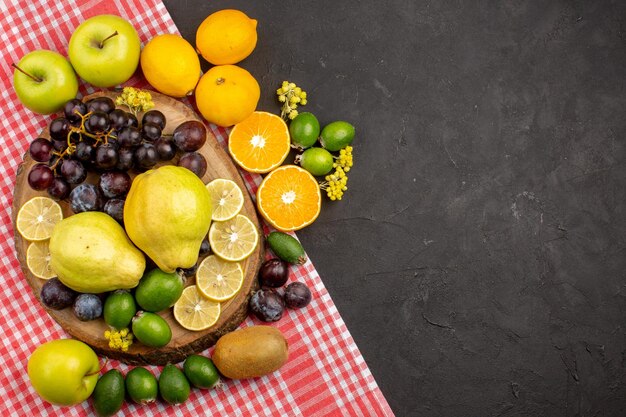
(478, 257)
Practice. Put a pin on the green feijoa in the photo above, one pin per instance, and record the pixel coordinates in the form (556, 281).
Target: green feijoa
(108, 395)
(142, 386)
(201, 372)
(173, 385)
(337, 135)
(119, 309)
(304, 130)
(151, 329)
(286, 247)
(158, 290)
(318, 161)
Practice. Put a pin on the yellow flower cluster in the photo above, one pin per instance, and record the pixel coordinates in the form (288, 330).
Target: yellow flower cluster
(136, 100)
(337, 182)
(291, 96)
(120, 340)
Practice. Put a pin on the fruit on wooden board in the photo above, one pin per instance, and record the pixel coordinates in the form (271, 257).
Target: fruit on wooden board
(108, 396)
(119, 309)
(63, 371)
(289, 198)
(226, 198)
(286, 247)
(151, 329)
(170, 65)
(167, 214)
(158, 290)
(235, 239)
(227, 94)
(226, 37)
(91, 253)
(250, 352)
(104, 50)
(194, 311)
(44, 80)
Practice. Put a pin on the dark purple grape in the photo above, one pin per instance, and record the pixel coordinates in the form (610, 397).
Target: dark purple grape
(205, 247)
(73, 171)
(154, 116)
(190, 135)
(115, 208)
(100, 104)
(87, 307)
(86, 197)
(274, 273)
(150, 132)
(297, 295)
(73, 109)
(85, 151)
(60, 189)
(106, 156)
(146, 156)
(59, 128)
(125, 159)
(40, 177)
(40, 150)
(267, 305)
(129, 137)
(165, 148)
(132, 120)
(55, 295)
(118, 118)
(97, 122)
(114, 184)
(194, 162)
(59, 145)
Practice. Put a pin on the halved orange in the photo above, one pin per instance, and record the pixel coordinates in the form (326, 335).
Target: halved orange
(289, 198)
(259, 143)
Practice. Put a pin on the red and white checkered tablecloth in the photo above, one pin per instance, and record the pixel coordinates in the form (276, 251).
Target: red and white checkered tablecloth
(325, 375)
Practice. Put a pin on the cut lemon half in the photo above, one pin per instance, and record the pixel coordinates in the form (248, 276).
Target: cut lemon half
(260, 142)
(194, 311)
(289, 198)
(38, 260)
(218, 280)
(235, 239)
(37, 217)
(226, 199)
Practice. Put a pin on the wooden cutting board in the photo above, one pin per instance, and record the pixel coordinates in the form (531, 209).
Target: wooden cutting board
(184, 342)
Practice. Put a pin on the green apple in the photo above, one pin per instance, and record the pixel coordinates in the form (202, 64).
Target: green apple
(64, 371)
(104, 50)
(44, 81)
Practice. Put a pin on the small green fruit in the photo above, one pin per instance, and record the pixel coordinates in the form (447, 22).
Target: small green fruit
(318, 161)
(108, 396)
(158, 290)
(337, 135)
(201, 372)
(142, 386)
(304, 130)
(286, 247)
(119, 309)
(151, 329)
(173, 385)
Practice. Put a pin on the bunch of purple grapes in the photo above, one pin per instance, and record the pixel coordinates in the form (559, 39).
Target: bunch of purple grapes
(94, 136)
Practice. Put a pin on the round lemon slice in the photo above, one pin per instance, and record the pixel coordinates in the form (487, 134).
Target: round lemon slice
(234, 239)
(219, 280)
(226, 199)
(37, 217)
(195, 312)
(38, 260)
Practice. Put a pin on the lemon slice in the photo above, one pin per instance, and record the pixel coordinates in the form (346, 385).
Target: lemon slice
(226, 199)
(195, 312)
(37, 218)
(235, 239)
(38, 260)
(218, 280)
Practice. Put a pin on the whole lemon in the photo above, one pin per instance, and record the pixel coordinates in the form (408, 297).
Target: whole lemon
(227, 94)
(226, 37)
(171, 65)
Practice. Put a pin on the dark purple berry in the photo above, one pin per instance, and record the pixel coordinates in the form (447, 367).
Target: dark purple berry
(155, 117)
(86, 197)
(40, 150)
(194, 162)
(267, 305)
(55, 295)
(274, 273)
(297, 295)
(87, 307)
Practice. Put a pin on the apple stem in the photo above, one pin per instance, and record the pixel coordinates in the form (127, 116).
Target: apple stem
(27, 74)
(107, 38)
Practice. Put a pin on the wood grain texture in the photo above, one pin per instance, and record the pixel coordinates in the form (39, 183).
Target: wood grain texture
(183, 342)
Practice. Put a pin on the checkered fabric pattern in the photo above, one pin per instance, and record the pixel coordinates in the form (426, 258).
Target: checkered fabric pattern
(325, 375)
